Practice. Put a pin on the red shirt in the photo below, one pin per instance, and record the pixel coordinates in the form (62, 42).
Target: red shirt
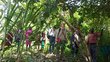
(92, 37)
(9, 36)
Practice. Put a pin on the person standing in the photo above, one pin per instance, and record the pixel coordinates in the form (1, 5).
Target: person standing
(51, 34)
(92, 43)
(9, 39)
(18, 38)
(42, 41)
(74, 44)
(61, 40)
(28, 36)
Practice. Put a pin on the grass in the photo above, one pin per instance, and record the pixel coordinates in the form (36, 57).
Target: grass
(35, 56)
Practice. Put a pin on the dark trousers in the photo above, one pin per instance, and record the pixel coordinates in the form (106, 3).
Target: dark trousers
(74, 49)
(92, 50)
(52, 44)
(60, 48)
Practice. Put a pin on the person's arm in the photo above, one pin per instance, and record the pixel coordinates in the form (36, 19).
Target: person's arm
(76, 39)
(41, 39)
(87, 39)
(56, 35)
(68, 30)
(98, 34)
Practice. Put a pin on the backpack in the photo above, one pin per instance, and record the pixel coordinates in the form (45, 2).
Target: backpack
(17, 36)
(73, 43)
(58, 39)
(71, 38)
(48, 36)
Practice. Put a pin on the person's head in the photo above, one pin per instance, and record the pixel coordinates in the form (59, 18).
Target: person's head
(92, 30)
(62, 25)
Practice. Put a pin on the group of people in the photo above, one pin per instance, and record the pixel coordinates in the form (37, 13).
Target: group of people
(17, 36)
(59, 37)
(56, 37)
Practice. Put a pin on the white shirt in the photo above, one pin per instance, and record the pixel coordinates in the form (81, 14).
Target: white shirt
(51, 32)
(77, 37)
(61, 35)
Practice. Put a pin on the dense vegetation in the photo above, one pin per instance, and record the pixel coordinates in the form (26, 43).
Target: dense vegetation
(43, 14)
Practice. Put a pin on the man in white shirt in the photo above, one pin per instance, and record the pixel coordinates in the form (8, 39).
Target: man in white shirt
(51, 34)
